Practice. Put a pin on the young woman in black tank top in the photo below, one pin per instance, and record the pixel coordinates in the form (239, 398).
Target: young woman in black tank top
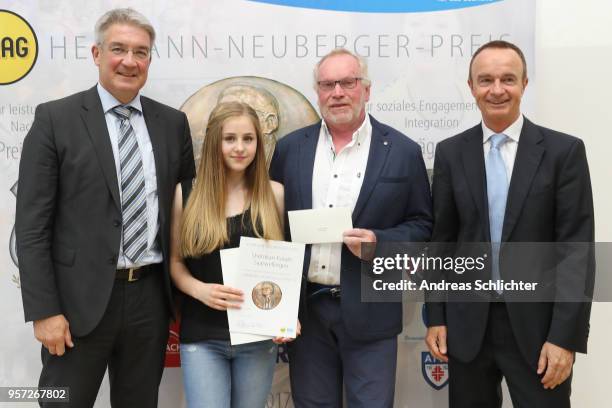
(232, 196)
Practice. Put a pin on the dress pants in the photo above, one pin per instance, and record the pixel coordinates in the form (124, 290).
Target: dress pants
(325, 357)
(130, 341)
(477, 384)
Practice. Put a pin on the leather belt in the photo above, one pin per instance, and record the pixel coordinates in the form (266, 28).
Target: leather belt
(136, 273)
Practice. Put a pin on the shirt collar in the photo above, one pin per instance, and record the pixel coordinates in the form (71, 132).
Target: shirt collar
(513, 131)
(109, 101)
(359, 135)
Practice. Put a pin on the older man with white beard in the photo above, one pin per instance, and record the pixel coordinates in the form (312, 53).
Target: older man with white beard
(349, 160)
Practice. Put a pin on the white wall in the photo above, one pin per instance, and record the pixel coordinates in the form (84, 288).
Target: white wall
(573, 60)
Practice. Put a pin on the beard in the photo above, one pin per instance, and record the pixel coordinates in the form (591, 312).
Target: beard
(342, 117)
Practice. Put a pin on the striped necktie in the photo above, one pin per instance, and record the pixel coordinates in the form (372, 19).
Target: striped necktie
(133, 196)
(497, 192)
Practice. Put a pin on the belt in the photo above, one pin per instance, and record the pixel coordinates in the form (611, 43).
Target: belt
(315, 290)
(134, 274)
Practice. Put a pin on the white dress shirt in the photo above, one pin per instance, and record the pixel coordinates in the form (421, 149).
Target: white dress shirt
(508, 149)
(153, 253)
(336, 182)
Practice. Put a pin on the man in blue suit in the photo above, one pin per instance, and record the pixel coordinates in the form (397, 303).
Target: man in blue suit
(349, 160)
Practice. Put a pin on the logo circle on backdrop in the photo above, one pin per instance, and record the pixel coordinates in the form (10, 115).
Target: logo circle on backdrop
(283, 109)
(18, 47)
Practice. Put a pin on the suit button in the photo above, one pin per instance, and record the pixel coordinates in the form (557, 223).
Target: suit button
(117, 223)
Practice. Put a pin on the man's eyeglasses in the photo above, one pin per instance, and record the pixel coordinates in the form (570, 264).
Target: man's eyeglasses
(140, 54)
(345, 83)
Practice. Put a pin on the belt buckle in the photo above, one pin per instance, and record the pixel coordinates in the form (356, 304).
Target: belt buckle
(131, 277)
(334, 292)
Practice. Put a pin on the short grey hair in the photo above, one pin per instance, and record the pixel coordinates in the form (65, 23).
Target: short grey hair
(122, 16)
(363, 65)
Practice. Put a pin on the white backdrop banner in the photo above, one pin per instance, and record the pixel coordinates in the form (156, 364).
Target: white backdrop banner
(263, 53)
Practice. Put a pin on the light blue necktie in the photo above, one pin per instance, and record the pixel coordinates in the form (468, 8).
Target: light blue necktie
(497, 192)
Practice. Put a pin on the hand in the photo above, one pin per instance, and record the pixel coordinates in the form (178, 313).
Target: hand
(282, 340)
(219, 297)
(353, 239)
(558, 364)
(436, 342)
(54, 334)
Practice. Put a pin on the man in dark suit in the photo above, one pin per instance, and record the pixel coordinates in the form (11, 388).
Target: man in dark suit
(507, 181)
(96, 179)
(349, 160)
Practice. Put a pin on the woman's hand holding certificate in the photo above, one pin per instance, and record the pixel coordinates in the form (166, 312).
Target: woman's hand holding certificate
(269, 273)
(219, 297)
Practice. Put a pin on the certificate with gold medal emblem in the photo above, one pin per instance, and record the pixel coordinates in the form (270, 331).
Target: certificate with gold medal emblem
(270, 275)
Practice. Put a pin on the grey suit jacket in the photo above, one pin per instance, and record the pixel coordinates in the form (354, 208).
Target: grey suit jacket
(68, 218)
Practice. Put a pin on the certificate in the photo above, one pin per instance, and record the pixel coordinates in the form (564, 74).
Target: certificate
(319, 226)
(230, 261)
(270, 275)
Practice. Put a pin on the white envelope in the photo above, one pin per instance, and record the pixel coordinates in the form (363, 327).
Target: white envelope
(319, 226)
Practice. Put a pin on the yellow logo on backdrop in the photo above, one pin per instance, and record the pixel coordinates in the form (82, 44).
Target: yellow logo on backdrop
(18, 47)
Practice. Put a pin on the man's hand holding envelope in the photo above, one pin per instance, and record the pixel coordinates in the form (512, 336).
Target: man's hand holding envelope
(328, 225)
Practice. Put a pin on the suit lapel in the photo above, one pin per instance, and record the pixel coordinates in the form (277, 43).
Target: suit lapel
(306, 158)
(474, 167)
(528, 157)
(93, 118)
(379, 150)
(156, 127)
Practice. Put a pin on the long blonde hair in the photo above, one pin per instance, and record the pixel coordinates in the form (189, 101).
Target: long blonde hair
(204, 224)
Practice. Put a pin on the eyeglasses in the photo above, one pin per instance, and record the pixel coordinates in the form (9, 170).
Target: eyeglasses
(345, 83)
(140, 54)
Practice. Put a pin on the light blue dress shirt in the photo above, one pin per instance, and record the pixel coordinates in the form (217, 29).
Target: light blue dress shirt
(153, 253)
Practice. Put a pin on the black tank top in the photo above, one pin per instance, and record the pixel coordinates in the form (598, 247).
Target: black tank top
(198, 321)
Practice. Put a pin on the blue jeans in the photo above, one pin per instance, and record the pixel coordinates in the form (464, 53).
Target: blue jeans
(218, 375)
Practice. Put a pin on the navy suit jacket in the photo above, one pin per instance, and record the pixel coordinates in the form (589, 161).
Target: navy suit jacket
(394, 202)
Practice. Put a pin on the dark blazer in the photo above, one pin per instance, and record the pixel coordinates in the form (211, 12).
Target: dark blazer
(394, 202)
(549, 200)
(68, 220)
